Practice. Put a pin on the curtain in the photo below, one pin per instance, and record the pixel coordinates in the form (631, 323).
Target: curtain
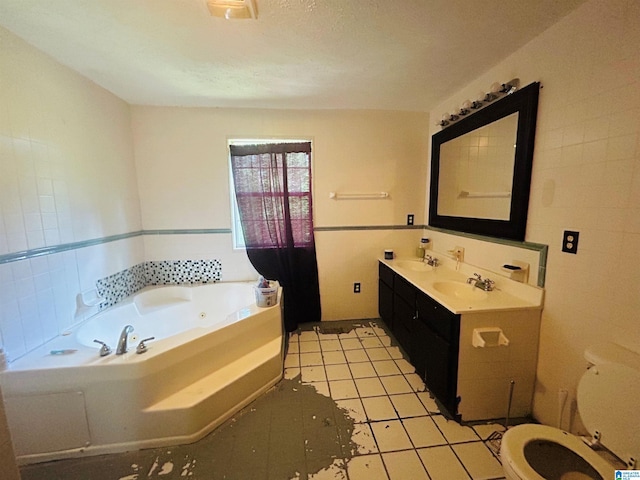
(273, 190)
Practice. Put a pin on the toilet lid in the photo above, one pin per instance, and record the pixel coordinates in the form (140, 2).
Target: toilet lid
(608, 402)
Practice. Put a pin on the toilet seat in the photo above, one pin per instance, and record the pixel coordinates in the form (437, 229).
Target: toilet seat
(515, 439)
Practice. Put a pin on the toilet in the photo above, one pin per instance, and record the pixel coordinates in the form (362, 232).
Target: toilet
(608, 400)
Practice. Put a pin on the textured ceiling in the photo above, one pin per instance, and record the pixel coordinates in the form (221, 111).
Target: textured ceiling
(359, 54)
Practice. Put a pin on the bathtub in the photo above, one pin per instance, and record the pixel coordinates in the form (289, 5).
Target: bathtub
(214, 352)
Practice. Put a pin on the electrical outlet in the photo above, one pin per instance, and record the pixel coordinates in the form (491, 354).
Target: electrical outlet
(410, 219)
(356, 287)
(570, 241)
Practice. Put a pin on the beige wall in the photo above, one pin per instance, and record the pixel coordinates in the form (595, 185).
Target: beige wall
(586, 177)
(183, 174)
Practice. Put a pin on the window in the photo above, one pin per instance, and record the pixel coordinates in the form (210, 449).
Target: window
(263, 173)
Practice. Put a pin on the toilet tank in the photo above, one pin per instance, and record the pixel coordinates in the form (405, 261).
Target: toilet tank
(606, 353)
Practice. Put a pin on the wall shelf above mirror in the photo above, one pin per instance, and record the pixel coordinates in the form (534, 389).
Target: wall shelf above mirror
(481, 168)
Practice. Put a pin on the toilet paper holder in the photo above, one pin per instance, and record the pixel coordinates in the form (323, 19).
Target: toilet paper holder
(489, 337)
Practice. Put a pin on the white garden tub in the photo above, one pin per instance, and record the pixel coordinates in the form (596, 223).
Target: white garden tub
(214, 352)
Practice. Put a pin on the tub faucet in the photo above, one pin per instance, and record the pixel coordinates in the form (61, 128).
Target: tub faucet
(122, 342)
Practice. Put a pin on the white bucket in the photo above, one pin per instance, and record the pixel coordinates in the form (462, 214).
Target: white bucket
(267, 297)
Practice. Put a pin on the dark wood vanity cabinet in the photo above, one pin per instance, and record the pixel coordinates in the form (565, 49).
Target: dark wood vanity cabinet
(436, 342)
(428, 333)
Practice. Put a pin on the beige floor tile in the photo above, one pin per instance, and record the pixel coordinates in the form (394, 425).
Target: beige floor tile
(355, 356)
(365, 332)
(310, 346)
(485, 431)
(366, 467)
(378, 354)
(404, 366)
(313, 374)
(343, 389)
(390, 436)
(354, 409)
(371, 342)
(321, 387)
(404, 466)
(291, 373)
(379, 331)
(362, 370)
(309, 359)
(293, 347)
(370, 387)
(417, 385)
(396, 354)
(332, 358)
(429, 403)
(349, 334)
(307, 336)
(338, 372)
(408, 405)
(363, 438)
(423, 432)
(351, 343)
(478, 460)
(379, 408)
(396, 384)
(386, 367)
(453, 431)
(292, 360)
(327, 336)
(385, 340)
(442, 463)
(336, 471)
(330, 345)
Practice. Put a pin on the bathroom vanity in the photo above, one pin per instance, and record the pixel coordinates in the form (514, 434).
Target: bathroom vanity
(467, 344)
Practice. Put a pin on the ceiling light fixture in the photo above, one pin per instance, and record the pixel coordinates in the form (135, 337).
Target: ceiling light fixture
(233, 9)
(496, 91)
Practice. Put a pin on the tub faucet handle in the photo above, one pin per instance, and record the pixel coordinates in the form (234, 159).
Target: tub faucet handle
(142, 346)
(104, 349)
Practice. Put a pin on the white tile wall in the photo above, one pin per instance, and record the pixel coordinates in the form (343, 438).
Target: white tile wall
(66, 175)
(586, 177)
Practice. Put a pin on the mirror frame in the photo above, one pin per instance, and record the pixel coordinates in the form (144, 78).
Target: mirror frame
(524, 102)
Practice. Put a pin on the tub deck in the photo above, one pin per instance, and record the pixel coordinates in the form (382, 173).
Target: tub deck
(63, 406)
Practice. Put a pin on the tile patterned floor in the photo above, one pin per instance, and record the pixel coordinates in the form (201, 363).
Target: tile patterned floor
(349, 408)
(398, 429)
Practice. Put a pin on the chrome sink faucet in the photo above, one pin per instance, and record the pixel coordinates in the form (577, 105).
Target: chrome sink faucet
(122, 342)
(481, 283)
(429, 260)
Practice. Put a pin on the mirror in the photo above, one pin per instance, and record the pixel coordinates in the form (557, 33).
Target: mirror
(481, 168)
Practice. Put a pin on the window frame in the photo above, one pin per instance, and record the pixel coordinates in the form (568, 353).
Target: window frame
(237, 235)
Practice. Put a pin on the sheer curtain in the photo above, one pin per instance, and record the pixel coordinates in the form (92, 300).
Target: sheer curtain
(273, 191)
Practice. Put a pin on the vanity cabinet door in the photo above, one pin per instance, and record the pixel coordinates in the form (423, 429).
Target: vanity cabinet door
(403, 318)
(435, 350)
(385, 303)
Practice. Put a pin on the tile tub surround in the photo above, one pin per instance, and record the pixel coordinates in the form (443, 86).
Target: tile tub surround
(350, 407)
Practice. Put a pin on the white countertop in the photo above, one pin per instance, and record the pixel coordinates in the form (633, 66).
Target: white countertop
(506, 295)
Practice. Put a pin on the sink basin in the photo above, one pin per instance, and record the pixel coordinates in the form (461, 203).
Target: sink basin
(460, 290)
(414, 265)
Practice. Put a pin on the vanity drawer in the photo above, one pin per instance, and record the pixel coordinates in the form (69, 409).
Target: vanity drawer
(437, 317)
(405, 290)
(385, 274)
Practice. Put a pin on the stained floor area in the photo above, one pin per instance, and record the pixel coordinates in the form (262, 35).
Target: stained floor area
(350, 407)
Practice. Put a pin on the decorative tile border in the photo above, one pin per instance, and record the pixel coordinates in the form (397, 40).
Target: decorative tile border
(117, 287)
(183, 271)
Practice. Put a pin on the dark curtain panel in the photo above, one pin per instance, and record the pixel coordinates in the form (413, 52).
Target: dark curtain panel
(273, 190)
